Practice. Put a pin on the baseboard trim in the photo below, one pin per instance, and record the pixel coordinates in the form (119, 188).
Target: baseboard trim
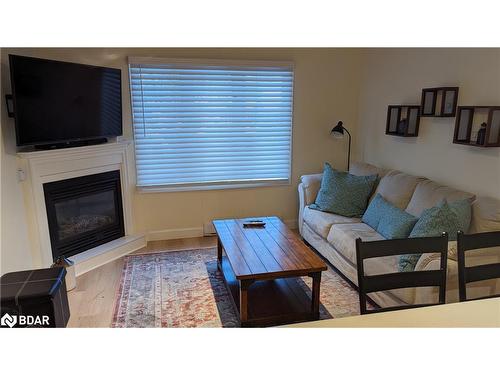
(96, 257)
(172, 234)
(291, 223)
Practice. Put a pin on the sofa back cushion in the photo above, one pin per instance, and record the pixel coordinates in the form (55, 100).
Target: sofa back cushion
(358, 168)
(342, 193)
(485, 215)
(429, 194)
(397, 188)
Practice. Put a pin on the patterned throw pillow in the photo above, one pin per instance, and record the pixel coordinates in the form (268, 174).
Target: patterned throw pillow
(434, 221)
(437, 220)
(463, 209)
(408, 262)
(343, 193)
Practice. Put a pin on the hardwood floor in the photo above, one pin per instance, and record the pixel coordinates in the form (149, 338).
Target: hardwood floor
(92, 301)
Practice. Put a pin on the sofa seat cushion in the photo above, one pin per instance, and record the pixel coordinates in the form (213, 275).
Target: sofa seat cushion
(343, 238)
(383, 265)
(321, 222)
(429, 194)
(397, 188)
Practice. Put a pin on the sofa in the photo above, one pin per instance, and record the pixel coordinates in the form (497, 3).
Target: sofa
(333, 236)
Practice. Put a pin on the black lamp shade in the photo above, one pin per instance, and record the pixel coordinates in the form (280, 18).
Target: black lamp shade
(338, 130)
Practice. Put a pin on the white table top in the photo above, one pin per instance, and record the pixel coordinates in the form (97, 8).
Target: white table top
(480, 313)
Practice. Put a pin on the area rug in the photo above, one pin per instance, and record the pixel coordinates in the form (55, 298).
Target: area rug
(185, 289)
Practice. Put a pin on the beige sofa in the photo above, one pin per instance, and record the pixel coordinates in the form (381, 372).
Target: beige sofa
(333, 236)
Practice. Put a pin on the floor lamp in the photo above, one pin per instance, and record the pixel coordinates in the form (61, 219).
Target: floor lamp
(338, 132)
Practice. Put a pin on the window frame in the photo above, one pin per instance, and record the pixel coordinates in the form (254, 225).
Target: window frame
(219, 185)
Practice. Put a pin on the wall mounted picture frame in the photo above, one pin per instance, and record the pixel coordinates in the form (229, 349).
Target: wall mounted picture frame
(403, 120)
(477, 126)
(439, 102)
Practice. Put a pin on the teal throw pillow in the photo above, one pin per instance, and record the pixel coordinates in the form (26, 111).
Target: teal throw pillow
(395, 223)
(374, 212)
(408, 262)
(343, 193)
(445, 217)
(387, 219)
(463, 210)
(438, 219)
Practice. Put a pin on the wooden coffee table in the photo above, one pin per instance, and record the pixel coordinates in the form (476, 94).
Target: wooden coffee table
(261, 267)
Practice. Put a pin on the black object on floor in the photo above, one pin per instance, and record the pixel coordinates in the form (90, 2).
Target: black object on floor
(35, 298)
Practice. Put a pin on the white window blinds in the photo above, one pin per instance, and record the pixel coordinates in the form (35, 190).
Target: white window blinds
(211, 123)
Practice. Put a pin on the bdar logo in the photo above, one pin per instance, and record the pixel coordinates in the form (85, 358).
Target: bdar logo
(8, 320)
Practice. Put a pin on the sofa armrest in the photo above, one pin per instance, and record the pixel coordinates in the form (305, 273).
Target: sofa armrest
(302, 205)
(474, 258)
(310, 185)
(431, 261)
(428, 258)
(428, 262)
(308, 189)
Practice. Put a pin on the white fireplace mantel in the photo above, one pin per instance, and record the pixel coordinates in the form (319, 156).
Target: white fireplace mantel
(41, 167)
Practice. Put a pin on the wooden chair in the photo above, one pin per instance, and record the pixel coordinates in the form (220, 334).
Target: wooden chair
(468, 242)
(396, 280)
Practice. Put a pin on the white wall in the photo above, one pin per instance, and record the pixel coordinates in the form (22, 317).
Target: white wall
(326, 90)
(397, 76)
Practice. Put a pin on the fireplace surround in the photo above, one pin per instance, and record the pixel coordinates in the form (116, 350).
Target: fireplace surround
(41, 168)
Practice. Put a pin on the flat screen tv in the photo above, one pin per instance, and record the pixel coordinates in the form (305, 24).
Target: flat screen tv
(56, 102)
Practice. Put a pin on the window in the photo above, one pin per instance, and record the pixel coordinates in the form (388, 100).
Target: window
(205, 124)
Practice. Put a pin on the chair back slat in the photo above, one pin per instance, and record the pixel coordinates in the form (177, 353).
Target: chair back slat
(471, 242)
(482, 272)
(395, 308)
(479, 240)
(409, 245)
(398, 280)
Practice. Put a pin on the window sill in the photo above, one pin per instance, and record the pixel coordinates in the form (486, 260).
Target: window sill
(212, 186)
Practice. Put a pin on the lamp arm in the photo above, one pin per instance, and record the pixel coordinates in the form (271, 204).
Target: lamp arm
(349, 150)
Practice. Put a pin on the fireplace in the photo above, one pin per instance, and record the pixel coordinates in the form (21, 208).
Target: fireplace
(84, 212)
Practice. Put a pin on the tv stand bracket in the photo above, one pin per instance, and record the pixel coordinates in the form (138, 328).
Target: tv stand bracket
(10, 105)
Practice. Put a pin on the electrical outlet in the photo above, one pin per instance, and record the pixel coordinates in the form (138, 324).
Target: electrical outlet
(208, 229)
(21, 174)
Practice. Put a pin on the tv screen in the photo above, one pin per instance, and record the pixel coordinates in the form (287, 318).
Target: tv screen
(57, 102)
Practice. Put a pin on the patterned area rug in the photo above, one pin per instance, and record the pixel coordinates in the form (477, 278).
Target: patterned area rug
(185, 289)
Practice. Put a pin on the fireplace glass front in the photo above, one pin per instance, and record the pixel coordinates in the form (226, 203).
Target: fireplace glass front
(84, 212)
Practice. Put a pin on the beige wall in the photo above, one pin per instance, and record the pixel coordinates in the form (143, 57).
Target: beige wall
(397, 76)
(15, 248)
(326, 90)
(330, 84)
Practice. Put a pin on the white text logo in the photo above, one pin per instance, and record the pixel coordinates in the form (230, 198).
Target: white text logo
(24, 320)
(8, 320)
